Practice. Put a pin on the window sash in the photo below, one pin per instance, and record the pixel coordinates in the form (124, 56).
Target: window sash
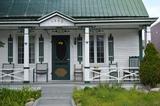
(21, 49)
(100, 49)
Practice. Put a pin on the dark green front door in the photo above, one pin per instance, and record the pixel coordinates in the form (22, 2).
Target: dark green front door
(61, 57)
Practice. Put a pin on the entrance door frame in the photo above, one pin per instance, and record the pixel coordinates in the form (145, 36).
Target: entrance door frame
(69, 56)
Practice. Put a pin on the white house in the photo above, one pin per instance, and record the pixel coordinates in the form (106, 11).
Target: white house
(64, 33)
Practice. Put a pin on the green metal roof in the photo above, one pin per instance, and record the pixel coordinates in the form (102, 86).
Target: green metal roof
(73, 8)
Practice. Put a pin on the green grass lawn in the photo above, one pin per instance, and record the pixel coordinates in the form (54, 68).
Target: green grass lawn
(15, 97)
(115, 96)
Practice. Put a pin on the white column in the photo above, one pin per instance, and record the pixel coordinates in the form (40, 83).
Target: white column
(26, 55)
(86, 56)
(147, 35)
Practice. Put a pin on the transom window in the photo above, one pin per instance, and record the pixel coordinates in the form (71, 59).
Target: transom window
(21, 49)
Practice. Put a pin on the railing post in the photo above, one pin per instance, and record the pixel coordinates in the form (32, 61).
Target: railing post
(86, 59)
(26, 55)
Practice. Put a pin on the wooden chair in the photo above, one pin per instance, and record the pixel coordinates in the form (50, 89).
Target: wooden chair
(134, 62)
(78, 72)
(41, 69)
(113, 66)
(7, 68)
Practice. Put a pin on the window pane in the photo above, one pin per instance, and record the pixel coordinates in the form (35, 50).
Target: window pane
(21, 50)
(91, 49)
(100, 49)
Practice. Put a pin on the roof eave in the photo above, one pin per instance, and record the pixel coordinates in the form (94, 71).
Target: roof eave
(87, 22)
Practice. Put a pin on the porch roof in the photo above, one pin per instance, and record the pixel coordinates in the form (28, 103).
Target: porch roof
(34, 9)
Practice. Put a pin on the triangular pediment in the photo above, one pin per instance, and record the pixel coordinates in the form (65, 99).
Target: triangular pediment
(56, 19)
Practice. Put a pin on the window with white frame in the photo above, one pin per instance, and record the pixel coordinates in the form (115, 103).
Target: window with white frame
(97, 46)
(100, 49)
(21, 49)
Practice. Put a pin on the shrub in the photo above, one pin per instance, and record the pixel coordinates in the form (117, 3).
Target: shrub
(15, 97)
(150, 67)
(115, 96)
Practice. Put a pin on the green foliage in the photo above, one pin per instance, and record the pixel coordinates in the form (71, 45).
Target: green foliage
(1, 44)
(14, 97)
(150, 66)
(114, 96)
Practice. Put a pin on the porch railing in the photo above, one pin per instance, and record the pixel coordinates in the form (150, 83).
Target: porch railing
(16, 75)
(120, 74)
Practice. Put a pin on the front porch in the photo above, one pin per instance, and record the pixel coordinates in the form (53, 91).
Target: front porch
(96, 48)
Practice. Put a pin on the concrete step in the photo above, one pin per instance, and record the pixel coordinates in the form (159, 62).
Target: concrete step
(54, 102)
(57, 89)
(56, 94)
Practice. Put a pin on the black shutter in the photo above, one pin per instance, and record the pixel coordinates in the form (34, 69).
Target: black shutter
(111, 48)
(10, 49)
(41, 49)
(79, 49)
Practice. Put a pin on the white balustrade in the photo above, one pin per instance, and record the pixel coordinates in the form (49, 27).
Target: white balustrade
(120, 74)
(16, 75)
